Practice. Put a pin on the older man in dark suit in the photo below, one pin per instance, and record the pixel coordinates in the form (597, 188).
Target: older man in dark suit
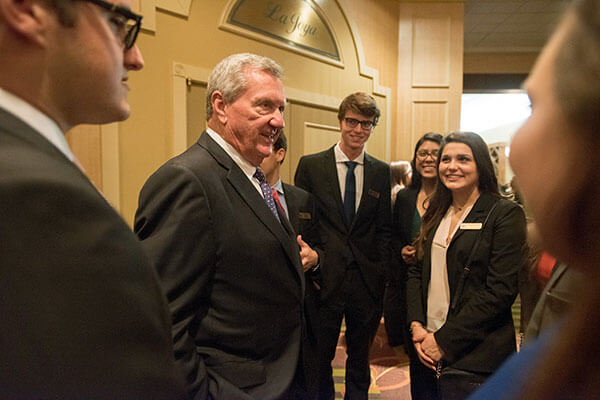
(82, 313)
(352, 190)
(227, 258)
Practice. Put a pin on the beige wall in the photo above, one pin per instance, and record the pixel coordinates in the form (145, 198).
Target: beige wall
(182, 42)
(146, 140)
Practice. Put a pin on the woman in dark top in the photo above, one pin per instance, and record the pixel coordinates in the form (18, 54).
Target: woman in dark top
(470, 249)
(410, 205)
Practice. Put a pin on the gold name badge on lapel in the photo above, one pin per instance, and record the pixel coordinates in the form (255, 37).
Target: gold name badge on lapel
(304, 215)
(471, 226)
(373, 193)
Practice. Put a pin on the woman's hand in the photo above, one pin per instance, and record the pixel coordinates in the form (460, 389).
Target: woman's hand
(418, 335)
(409, 254)
(431, 349)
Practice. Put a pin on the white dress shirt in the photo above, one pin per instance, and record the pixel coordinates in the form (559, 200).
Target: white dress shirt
(247, 168)
(39, 121)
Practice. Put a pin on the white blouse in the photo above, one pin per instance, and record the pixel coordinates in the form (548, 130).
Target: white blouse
(438, 293)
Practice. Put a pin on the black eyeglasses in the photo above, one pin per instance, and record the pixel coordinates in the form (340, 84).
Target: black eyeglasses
(423, 154)
(365, 125)
(126, 24)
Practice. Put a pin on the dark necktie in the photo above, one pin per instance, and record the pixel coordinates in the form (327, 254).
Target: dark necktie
(276, 198)
(350, 192)
(267, 192)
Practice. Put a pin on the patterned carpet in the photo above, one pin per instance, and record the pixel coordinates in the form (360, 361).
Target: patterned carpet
(389, 369)
(389, 366)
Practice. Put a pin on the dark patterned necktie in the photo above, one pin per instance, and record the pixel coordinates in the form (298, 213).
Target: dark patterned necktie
(350, 192)
(267, 192)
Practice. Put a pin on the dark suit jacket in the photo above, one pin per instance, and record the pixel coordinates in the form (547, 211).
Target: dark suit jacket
(402, 221)
(366, 241)
(82, 313)
(556, 300)
(231, 272)
(303, 218)
(479, 333)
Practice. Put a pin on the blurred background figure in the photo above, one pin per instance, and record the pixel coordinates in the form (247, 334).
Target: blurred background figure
(409, 207)
(561, 139)
(400, 177)
(470, 249)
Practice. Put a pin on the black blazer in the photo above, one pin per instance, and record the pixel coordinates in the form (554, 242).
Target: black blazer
(303, 218)
(81, 308)
(402, 221)
(231, 272)
(366, 241)
(479, 333)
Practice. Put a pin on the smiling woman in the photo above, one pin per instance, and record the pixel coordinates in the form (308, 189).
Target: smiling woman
(460, 291)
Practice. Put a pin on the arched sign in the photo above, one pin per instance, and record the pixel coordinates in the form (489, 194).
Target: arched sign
(295, 24)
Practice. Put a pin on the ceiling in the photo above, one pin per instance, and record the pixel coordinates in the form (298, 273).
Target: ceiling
(502, 26)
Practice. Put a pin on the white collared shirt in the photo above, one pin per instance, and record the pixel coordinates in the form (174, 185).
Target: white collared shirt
(359, 172)
(247, 168)
(37, 120)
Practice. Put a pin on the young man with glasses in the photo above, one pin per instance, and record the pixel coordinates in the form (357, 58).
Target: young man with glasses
(82, 312)
(352, 190)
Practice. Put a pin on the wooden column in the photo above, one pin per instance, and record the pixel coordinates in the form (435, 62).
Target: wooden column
(430, 68)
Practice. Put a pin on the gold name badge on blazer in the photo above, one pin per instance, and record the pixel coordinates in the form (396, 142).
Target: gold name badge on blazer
(304, 215)
(373, 193)
(471, 226)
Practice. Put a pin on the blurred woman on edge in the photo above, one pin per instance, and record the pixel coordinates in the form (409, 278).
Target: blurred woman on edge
(555, 156)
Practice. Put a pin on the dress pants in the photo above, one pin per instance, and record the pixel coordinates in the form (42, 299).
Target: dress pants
(362, 314)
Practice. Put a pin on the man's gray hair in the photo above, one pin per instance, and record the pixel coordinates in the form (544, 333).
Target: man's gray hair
(229, 77)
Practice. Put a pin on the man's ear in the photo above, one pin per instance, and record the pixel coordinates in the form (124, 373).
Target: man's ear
(219, 106)
(280, 155)
(27, 19)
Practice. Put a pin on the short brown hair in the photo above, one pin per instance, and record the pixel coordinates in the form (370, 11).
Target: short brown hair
(65, 11)
(360, 103)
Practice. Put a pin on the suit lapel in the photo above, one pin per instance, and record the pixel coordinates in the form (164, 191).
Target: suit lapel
(331, 179)
(255, 201)
(368, 183)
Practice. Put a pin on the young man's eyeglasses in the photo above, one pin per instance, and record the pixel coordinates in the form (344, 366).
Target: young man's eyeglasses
(125, 23)
(365, 125)
(423, 154)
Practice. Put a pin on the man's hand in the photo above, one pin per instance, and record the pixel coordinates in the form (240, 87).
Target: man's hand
(309, 257)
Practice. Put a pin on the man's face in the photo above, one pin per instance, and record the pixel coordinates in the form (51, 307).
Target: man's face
(254, 120)
(89, 67)
(271, 164)
(354, 138)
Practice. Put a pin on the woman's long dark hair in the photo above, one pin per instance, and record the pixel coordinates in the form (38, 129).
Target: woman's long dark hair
(442, 196)
(417, 179)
